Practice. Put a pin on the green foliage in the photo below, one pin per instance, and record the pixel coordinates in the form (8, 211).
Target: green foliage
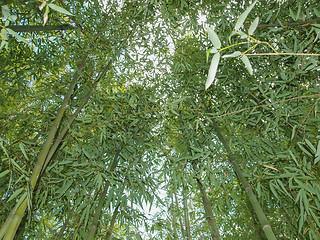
(149, 107)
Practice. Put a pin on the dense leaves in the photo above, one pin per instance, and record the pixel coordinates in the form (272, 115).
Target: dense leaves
(167, 120)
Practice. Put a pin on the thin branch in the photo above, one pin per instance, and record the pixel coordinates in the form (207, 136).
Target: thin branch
(40, 28)
(283, 53)
(293, 24)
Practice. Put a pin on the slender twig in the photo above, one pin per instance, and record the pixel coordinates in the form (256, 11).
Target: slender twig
(293, 24)
(40, 28)
(282, 53)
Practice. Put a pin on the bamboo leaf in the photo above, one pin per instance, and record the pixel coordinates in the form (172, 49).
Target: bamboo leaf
(242, 34)
(22, 198)
(315, 218)
(213, 50)
(5, 11)
(59, 9)
(21, 145)
(213, 69)
(17, 36)
(16, 165)
(311, 146)
(83, 215)
(258, 189)
(43, 4)
(15, 194)
(292, 14)
(298, 196)
(299, 11)
(87, 216)
(12, 18)
(234, 54)
(175, 102)
(283, 188)
(214, 38)
(88, 155)
(46, 15)
(4, 34)
(65, 188)
(243, 16)
(208, 53)
(99, 180)
(301, 221)
(303, 149)
(294, 158)
(304, 186)
(4, 173)
(273, 190)
(247, 63)
(305, 201)
(293, 132)
(253, 26)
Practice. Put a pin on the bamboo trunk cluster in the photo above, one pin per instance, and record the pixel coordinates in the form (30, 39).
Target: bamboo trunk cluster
(9, 228)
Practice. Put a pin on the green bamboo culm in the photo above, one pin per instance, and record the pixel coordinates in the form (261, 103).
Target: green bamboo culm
(207, 209)
(252, 197)
(102, 200)
(206, 204)
(9, 228)
(113, 220)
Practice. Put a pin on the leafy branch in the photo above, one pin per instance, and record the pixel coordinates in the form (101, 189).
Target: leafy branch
(216, 49)
(8, 18)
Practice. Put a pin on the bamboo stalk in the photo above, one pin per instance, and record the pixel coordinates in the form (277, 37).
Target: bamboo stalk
(292, 24)
(207, 208)
(94, 224)
(174, 219)
(249, 191)
(40, 28)
(182, 229)
(258, 233)
(180, 221)
(282, 53)
(113, 220)
(10, 227)
(206, 204)
(72, 118)
(186, 214)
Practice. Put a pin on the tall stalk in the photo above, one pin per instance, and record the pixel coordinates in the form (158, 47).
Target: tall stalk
(206, 204)
(40, 28)
(257, 228)
(180, 221)
(207, 208)
(186, 213)
(174, 218)
(72, 118)
(9, 228)
(96, 217)
(12, 223)
(112, 222)
(249, 191)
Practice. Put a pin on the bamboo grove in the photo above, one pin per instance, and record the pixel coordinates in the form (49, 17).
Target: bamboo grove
(114, 124)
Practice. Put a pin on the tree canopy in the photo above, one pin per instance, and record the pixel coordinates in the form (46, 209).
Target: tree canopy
(148, 119)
